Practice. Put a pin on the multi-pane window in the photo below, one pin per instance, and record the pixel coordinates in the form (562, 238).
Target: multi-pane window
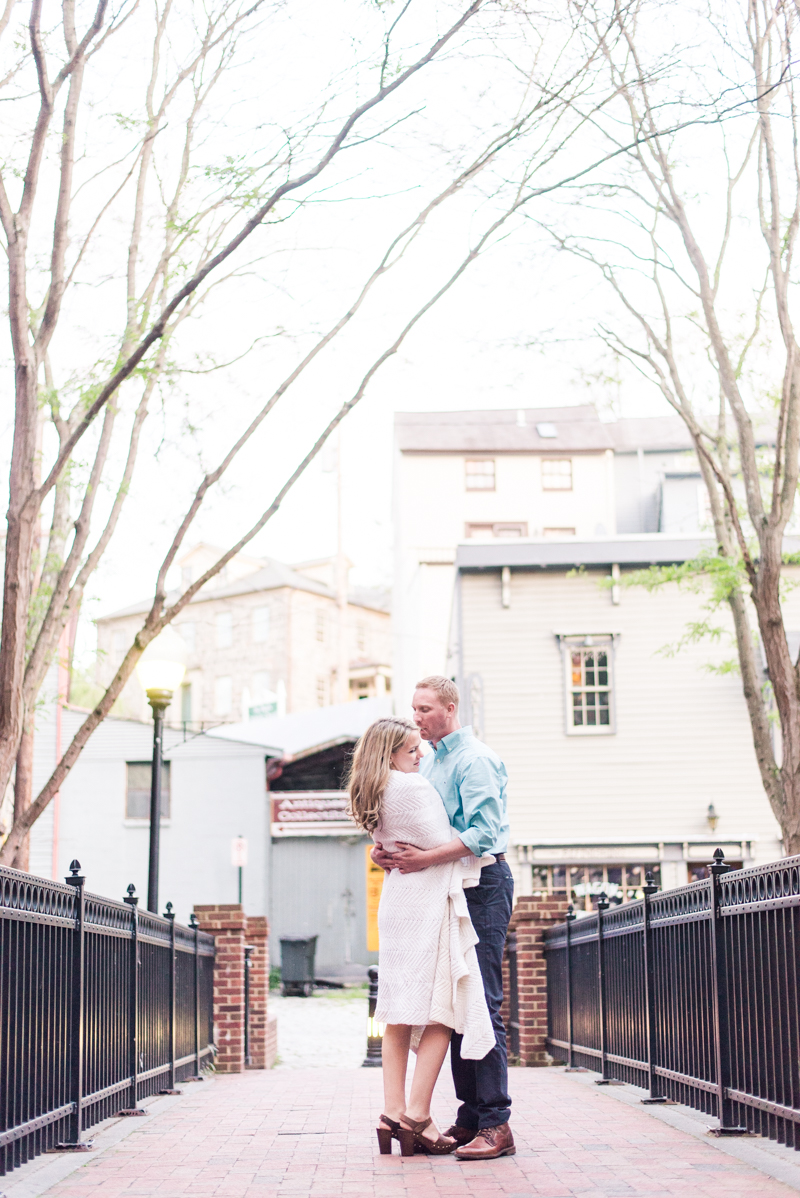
(320, 625)
(137, 790)
(585, 883)
(556, 474)
(589, 687)
(260, 624)
(322, 691)
(515, 528)
(479, 474)
(588, 662)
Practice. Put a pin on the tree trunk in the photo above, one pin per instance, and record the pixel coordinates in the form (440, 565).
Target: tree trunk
(23, 791)
(767, 601)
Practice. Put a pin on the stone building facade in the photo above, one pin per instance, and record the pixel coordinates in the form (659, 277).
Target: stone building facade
(263, 640)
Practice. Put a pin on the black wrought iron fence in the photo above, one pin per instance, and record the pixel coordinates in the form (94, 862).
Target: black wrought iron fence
(691, 993)
(101, 1005)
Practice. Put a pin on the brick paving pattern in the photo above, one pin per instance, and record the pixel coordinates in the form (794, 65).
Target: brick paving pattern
(294, 1133)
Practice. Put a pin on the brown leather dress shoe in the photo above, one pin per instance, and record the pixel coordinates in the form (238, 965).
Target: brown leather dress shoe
(490, 1142)
(461, 1135)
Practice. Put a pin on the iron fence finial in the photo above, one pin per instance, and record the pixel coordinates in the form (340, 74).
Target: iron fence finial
(719, 865)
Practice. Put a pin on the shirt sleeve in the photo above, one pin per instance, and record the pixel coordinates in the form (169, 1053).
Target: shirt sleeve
(480, 791)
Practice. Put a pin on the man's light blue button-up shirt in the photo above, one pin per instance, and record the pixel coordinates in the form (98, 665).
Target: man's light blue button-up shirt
(472, 782)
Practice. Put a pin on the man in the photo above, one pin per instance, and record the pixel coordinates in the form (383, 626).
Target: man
(472, 782)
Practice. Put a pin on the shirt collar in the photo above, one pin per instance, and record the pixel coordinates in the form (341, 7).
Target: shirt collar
(452, 740)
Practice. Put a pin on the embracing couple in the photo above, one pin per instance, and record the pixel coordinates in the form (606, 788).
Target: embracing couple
(440, 829)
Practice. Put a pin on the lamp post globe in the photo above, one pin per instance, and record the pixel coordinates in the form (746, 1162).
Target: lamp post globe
(160, 671)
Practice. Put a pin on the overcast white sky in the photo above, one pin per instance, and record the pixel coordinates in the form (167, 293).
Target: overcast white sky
(517, 330)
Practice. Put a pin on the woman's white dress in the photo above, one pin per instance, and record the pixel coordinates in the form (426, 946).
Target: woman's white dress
(428, 968)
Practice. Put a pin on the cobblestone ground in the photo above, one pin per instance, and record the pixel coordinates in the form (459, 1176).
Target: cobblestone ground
(327, 1031)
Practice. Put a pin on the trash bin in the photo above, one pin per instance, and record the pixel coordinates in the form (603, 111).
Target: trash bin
(297, 965)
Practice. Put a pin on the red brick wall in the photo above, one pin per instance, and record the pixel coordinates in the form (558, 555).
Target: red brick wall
(530, 917)
(232, 930)
(257, 933)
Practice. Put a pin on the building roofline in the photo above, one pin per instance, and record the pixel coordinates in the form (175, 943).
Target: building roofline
(262, 749)
(235, 589)
(644, 549)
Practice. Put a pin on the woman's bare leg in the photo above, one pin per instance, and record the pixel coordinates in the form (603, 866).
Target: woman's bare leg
(394, 1052)
(430, 1055)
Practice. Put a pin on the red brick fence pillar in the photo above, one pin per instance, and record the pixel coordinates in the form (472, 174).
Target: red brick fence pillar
(530, 917)
(263, 1026)
(232, 930)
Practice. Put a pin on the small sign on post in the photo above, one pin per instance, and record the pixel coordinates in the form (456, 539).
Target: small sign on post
(239, 859)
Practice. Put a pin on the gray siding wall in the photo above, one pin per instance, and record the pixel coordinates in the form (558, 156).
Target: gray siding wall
(218, 793)
(319, 889)
(683, 737)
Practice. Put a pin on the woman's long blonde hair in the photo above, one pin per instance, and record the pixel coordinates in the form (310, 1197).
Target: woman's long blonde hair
(370, 767)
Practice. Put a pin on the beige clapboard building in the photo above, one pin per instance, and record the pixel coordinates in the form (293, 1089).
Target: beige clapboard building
(262, 639)
(616, 747)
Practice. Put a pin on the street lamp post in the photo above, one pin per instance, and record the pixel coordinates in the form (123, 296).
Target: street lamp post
(159, 700)
(160, 669)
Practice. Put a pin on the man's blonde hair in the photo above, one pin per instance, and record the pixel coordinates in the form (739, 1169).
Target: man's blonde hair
(445, 688)
(370, 768)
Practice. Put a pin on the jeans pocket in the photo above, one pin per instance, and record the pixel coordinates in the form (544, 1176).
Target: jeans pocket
(492, 880)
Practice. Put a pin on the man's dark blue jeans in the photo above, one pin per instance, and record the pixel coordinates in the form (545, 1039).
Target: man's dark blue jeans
(482, 1086)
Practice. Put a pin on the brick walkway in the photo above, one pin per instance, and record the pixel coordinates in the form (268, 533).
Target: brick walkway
(291, 1133)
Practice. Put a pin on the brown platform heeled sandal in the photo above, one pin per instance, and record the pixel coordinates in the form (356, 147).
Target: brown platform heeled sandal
(412, 1139)
(387, 1134)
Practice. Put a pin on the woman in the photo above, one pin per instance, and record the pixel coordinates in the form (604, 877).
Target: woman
(429, 982)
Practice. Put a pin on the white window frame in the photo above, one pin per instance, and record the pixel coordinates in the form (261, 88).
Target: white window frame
(499, 529)
(553, 485)
(599, 642)
(480, 475)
